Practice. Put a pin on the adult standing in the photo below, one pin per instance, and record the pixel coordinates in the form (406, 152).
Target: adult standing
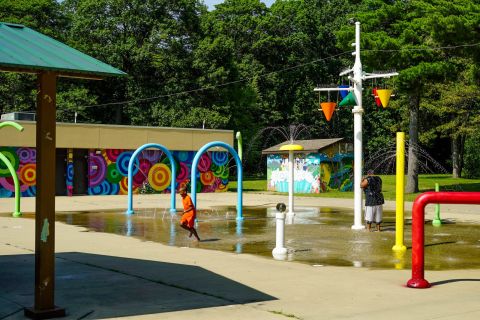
(372, 185)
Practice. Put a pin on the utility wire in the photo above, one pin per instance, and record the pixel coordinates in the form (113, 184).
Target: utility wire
(424, 49)
(214, 86)
(270, 73)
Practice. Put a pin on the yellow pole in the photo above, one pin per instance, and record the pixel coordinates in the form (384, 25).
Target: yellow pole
(399, 260)
(400, 190)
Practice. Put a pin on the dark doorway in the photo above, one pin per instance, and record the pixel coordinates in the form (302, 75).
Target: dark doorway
(80, 171)
(61, 172)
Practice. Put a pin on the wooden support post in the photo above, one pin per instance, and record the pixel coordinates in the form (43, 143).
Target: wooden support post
(44, 307)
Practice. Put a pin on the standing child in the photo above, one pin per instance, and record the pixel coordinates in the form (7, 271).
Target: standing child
(187, 221)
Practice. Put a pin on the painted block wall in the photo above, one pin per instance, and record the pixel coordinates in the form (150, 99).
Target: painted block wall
(23, 161)
(108, 170)
(313, 172)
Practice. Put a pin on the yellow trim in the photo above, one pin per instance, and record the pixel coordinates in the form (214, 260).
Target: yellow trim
(291, 147)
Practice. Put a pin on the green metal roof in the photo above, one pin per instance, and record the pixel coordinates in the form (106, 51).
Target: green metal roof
(25, 50)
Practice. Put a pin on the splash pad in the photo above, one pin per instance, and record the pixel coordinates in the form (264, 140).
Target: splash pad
(319, 237)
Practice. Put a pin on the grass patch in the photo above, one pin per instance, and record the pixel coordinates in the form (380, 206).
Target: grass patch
(249, 185)
(426, 182)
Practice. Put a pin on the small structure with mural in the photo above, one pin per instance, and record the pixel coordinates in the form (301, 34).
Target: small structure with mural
(324, 164)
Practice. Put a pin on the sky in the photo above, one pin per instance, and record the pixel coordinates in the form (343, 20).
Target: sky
(211, 3)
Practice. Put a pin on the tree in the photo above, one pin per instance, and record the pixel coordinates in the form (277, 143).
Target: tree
(42, 15)
(272, 59)
(18, 91)
(152, 41)
(225, 61)
(472, 157)
(299, 38)
(456, 107)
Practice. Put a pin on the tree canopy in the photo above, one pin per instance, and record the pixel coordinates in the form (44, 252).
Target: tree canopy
(424, 41)
(247, 67)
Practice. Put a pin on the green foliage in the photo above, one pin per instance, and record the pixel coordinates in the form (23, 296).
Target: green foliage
(152, 41)
(42, 15)
(472, 156)
(18, 91)
(246, 67)
(71, 98)
(455, 106)
(410, 36)
(247, 45)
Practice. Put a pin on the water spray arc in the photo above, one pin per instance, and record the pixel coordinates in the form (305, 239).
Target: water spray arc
(232, 151)
(130, 175)
(291, 173)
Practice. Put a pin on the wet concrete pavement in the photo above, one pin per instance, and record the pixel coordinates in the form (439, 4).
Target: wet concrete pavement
(315, 235)
(102, 275)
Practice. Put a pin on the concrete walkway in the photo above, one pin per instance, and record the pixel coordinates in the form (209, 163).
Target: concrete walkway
(101, 276)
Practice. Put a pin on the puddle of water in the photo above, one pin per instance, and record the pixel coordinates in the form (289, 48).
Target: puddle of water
(317, 236)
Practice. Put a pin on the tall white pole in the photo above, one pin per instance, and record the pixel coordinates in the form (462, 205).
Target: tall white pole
(358, 77)
(357, 131)
(290, 182)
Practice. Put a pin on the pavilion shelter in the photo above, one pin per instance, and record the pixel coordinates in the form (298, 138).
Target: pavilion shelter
(25, 50)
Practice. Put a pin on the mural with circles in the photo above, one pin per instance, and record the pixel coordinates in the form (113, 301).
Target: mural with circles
(23, 161)
(108, 170)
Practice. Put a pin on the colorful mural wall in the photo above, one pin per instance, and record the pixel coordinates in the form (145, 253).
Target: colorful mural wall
(313, 172)
(69, 175)
(108, 170)
(23, 161)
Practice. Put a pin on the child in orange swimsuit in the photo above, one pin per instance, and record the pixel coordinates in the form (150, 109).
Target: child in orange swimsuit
(187, 221)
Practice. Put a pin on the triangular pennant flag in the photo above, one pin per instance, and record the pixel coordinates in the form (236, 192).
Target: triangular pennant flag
(377, 100)
(328, 108)
(384, 96)
(349, 100)
(343, 93)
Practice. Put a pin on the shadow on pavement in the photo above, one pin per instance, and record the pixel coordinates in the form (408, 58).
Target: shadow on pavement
(438, 283)
(93, 286)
